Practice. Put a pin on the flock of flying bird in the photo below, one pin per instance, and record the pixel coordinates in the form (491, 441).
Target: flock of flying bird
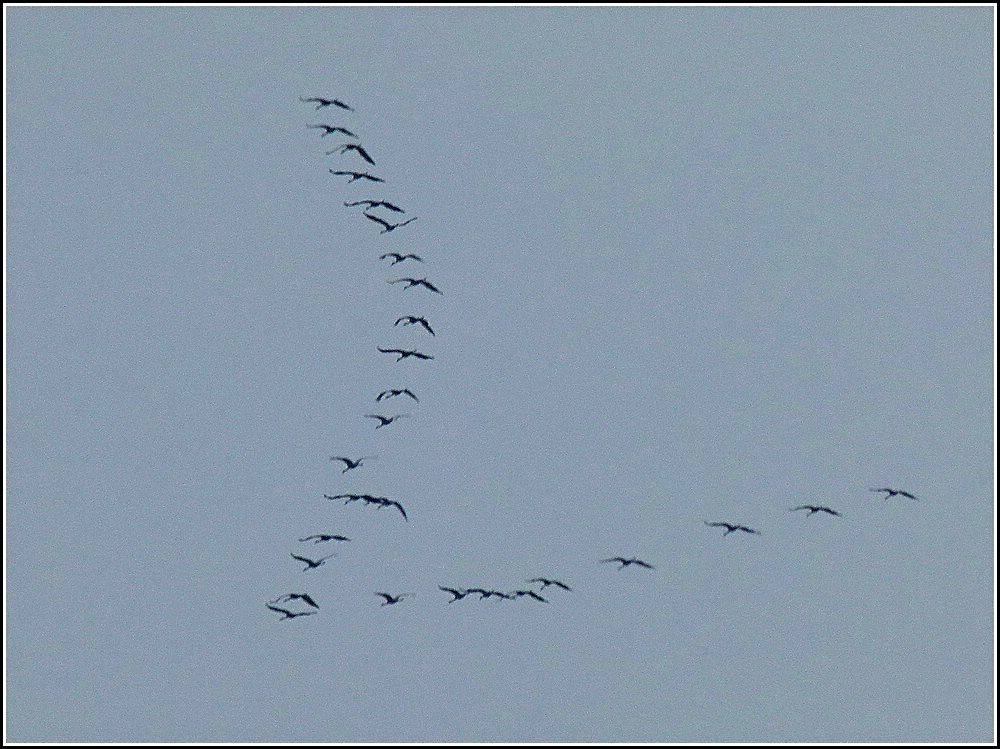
(350, 464)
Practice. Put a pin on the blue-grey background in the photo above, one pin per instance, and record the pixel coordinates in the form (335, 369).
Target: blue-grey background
(697, 264)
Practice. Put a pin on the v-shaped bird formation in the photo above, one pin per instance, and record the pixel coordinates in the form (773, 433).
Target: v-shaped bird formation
(297, 604)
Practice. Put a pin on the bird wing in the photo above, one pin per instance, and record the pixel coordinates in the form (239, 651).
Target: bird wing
(377, 220)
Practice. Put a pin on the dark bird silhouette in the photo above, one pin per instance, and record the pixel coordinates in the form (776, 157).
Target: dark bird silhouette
(531, 593)
(457, 595)
(296, 596)
(394, 392)
(356, 176)
(626, 562)
(312, 564)
(385, 420)
(390, 599)
(376, 204)
(411, 320)
(353, 147)
(288, 614)
(332, 129)
(416, 282)
(318, 538)
(813, 509)
(546, 583)
(403, 353)
(388, 227)
(352, 463)
(894, 492)
(397, 258)
(730, 527)
(346, 497)
(321, 102)
(386, 502)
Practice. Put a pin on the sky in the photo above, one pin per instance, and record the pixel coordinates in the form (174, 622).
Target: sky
(697, 265)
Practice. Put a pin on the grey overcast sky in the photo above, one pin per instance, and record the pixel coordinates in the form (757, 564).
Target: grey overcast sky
(697, 264)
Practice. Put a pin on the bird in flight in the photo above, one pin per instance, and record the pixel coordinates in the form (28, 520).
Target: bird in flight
(457, 595)
(730, 527)
(813, 509)
(386, 502)
(546, 583)
(321, 102)
(312, 564)
(416, 282)
(353, 147)
(318, 538)
(346, 497)
(626, 562)
(411, 320)
(394, 392)
(349, 464)
(894, 492)
(385, 420)
(288, 614)
(296, 596)
(531, 593)
(397, 258)
(389, 227)
(328, 129)
(356, 176)
(403, 353)
(376, 204)
(390, 599)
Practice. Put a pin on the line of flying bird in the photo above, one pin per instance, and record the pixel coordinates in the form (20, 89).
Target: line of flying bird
(370, 208)
(282, 603)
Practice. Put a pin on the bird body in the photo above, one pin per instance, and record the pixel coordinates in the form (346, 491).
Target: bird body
(411, 320)
(376, 204)
(730, 527)
(404, 353)
(306, 598)
(394, 392)
(390, 599)
(893, 492)
(321, 102)
(353, 147)
(813, 509)
(385, 420)
(626, 562)
(288, 614)
(546, 583)
(328, 129)
(356, 176)
(312, 564)
(349, 464)
(318, 538)
(416, 282)
(388, 227)
(457, 595)
(397, 258)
